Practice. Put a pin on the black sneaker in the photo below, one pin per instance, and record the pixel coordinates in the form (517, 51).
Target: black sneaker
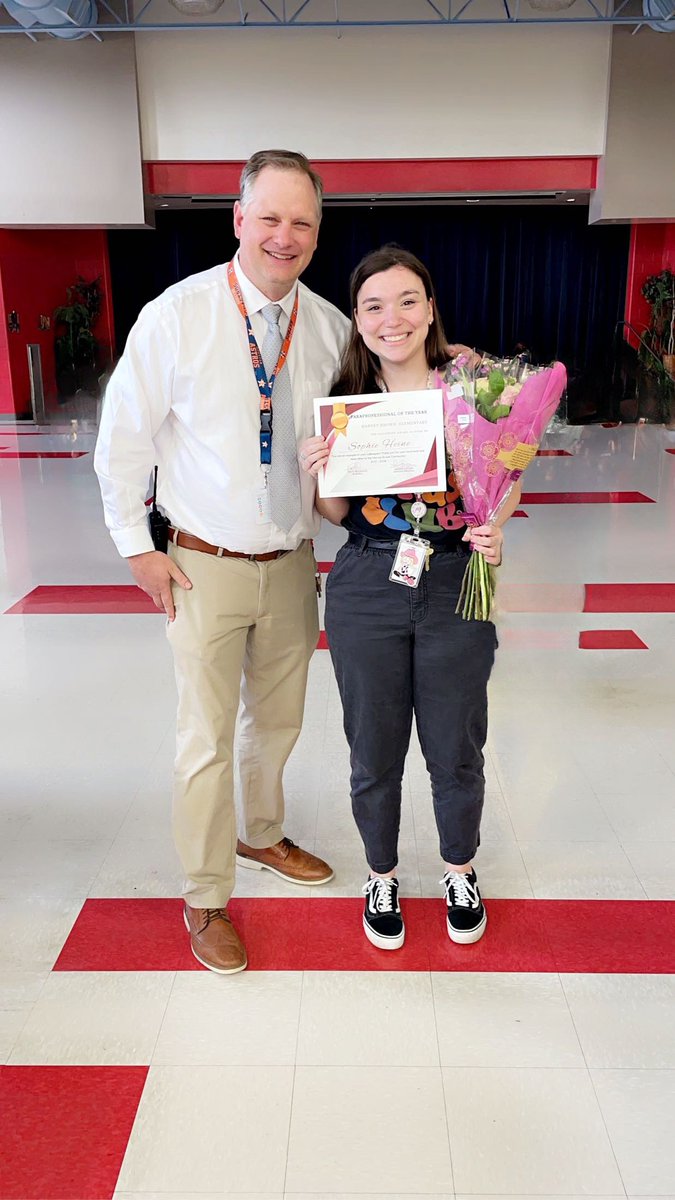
(467, 917)
(382, 920)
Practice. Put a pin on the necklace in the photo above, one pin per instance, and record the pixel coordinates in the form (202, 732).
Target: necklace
(424, 387)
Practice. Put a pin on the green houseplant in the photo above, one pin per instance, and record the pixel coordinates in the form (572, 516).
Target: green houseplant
(75, 347)
(659, 292)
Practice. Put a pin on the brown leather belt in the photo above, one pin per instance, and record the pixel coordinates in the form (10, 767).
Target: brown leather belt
(188, 542)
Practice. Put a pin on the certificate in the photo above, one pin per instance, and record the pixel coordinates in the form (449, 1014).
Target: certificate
(391, 442)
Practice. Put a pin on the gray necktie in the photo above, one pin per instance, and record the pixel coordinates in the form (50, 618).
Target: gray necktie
(284, 476)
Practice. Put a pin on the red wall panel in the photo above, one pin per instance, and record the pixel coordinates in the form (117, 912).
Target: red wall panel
(36, 267)
(652, 247)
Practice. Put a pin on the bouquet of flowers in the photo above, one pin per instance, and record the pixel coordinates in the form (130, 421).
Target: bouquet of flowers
(494, 421)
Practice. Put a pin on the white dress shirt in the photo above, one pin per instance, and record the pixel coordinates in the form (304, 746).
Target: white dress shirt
(184, 396)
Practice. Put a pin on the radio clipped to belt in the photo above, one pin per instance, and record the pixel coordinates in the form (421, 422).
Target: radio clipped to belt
(159, 524)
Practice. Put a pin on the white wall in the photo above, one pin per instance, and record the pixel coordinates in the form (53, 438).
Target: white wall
(69, 133)
(374, 93)
(637, 176)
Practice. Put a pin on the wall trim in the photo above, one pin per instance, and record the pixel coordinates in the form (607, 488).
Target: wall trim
(377, 177)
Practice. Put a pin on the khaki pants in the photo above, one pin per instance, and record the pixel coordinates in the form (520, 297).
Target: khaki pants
(258, 620)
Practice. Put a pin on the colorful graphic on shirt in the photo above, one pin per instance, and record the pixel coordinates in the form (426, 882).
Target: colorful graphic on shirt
(394, 512)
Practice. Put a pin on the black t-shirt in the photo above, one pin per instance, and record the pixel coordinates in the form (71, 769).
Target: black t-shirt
(385, 518)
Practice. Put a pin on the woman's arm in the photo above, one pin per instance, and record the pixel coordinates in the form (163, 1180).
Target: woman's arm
(334, 510)
(510, 504)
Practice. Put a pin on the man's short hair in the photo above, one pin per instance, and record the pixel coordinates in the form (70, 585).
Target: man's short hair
(282, 160)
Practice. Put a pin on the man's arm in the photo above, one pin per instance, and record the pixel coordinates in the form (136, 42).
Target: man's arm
(137, 402)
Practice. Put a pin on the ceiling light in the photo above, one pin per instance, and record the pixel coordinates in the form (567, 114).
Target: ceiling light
(548, 6)
(197, 8)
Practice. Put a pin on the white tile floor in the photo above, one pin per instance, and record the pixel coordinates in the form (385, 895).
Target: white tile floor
(354, 1084)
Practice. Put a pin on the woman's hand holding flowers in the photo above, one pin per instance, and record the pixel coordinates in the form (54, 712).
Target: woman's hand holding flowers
(488, 540)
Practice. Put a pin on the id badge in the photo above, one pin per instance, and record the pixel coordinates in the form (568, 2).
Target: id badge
(262, 505)
(410, 560)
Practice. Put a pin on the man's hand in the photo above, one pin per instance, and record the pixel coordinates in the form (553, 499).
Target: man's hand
(456, 348)
(488, 540)
(153, 573)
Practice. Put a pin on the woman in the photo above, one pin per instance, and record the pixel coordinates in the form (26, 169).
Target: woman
(398, 650)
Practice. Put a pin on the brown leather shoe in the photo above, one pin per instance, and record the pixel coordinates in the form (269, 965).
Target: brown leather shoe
(287, 860)
(214, 940)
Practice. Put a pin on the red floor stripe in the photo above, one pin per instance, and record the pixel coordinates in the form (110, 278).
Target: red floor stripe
(43, 453)
(670, 451)
(127, 598)
(322, 643)
(84, 598)
(586, 498)
(593, 936)
(610, 639)
(65, 1130)
(554, 454)
(629, 597)
(519, 513)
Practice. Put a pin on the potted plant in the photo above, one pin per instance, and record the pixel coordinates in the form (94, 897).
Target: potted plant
(669, 340)
(659, 291)
(75, 346)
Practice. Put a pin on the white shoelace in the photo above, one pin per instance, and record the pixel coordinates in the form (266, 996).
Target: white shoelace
(459, 890)
(383, 898)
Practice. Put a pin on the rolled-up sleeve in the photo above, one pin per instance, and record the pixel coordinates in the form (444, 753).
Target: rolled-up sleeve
(137, 402)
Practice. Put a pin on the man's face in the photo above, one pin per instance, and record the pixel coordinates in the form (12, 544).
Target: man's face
(277, 230)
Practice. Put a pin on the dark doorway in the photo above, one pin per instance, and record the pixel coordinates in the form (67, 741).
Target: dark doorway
(536, 276)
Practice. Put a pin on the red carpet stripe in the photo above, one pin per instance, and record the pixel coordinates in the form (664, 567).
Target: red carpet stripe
(65, 1130)
(43, 453)
(586, 498)
(84, 598)
(127, 598)
(610, 639)
(585, 936)
(629, 597)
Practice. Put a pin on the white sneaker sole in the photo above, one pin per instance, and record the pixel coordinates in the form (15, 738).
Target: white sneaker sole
(383, 943)
(467, 937)
(253, 865)
(209, 966)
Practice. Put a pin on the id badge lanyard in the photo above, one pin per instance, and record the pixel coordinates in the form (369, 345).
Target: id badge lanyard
(265, 385)
(413, 552)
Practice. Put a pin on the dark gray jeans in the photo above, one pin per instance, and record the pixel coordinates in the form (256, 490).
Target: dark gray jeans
(399, 650)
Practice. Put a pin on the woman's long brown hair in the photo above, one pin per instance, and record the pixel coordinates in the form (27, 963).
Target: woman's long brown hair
(359, 367)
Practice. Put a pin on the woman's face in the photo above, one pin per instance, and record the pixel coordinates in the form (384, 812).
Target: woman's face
(393, 314)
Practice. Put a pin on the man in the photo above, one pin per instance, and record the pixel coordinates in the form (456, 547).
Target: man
(203, 366)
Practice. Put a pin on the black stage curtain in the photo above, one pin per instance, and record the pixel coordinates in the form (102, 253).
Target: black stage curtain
(538, 276)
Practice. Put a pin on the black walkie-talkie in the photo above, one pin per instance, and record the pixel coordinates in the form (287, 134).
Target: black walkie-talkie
(159, 524)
